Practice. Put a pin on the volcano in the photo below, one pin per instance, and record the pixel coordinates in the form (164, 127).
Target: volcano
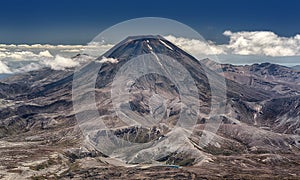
(146, 102)
(153, 92)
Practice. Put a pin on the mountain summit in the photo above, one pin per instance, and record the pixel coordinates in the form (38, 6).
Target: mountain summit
(137, 45)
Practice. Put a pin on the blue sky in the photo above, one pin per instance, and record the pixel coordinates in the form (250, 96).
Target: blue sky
(78, 21)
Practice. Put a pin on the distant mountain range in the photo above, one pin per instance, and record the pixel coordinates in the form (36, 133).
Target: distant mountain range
(258, 136)
(267, 76)
(297, 67)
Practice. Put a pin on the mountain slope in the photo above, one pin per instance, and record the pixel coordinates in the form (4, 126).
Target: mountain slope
(267, 76)
(258, 129)
(279, 113)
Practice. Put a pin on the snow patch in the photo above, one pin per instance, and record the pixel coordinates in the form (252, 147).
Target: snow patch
(157, 58)
(166, 44)
(149, 46)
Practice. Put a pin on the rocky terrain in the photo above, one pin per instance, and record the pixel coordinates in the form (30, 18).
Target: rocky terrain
(282, 81)
(41, 136)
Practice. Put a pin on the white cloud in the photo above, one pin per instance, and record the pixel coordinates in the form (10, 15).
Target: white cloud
(2, 55)
(45, 54)
(39, 51)
(246, 45)
(29, 67)
(8, 46)
(20, 55)
(262, 43)
(111, 60)
(24, 55)
(195, 46)
(55, 47)
(4, 69)
(60, 63)
(71, 50)
(42, 46)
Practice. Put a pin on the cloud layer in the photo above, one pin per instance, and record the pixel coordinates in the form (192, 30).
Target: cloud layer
(196, 46)
(39, 51)
(60, 63)
(243, 47)
(262, 43)
(35, 56)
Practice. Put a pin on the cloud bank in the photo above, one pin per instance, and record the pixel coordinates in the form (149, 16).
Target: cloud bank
(38, 51)
(60, 63)
(23, 55)
(244, 47)
(196, 46)
(36, 56)
(262, 43)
